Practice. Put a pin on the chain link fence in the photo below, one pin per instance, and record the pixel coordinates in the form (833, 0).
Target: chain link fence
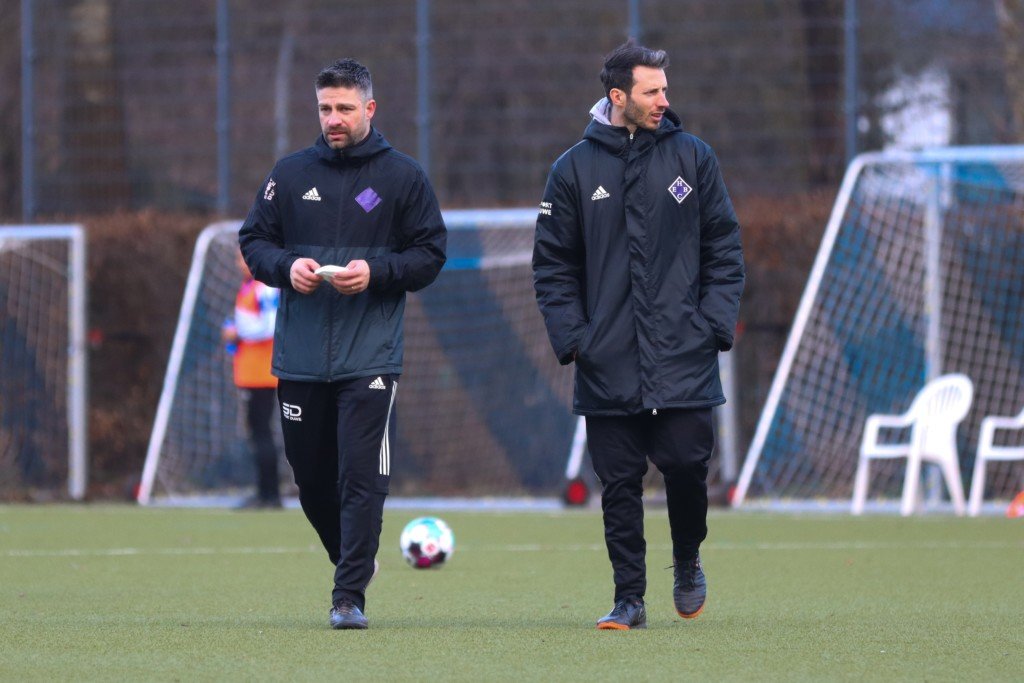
(111, 104)
(145, 120)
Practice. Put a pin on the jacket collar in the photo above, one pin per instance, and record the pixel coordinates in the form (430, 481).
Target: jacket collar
(373, 143)
(616, 138)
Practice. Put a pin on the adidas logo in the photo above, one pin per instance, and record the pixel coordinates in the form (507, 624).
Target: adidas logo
(377, 384)
(312, 195)
(599, 193)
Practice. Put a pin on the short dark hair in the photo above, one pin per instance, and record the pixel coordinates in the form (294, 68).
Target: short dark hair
(346, 73)
(620, 62)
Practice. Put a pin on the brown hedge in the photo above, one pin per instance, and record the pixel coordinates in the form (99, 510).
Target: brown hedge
(138, 263)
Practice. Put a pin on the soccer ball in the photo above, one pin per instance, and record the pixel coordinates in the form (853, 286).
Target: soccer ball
(427, 542)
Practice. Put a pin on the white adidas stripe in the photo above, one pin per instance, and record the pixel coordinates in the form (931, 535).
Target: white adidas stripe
(385, 443)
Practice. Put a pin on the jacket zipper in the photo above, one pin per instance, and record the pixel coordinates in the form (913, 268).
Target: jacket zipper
(654, 411)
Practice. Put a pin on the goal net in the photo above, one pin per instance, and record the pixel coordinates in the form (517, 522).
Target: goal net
(42, 362)
(484, 407)
(919, 274)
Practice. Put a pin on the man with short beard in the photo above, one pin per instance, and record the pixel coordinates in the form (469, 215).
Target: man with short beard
(353, 204)
(638, 272)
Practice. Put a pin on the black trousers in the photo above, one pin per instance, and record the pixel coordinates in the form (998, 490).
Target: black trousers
(261, 404)
(337, 439)
(679, 443)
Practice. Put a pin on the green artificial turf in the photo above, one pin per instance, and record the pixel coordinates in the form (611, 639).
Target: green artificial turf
(122, 593)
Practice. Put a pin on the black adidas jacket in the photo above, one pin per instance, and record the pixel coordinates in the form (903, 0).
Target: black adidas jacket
(369, 202)
(638, 268)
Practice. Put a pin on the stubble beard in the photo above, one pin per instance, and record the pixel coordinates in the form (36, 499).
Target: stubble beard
(348, 140)
(633, 114)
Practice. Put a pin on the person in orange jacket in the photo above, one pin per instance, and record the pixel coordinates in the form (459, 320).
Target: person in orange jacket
(249, 337)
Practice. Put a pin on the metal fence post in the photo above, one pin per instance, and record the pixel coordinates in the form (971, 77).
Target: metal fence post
(223, 107)
(423, 84)
(851, 53)
(282, 94)
(28, 125)
(635, 29)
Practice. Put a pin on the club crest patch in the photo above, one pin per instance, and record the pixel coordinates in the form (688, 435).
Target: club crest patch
(679, 189)
(368, 199)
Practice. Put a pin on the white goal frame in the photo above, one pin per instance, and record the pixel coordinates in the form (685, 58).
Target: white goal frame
(932, 225)
(181, 332)
(77, 385)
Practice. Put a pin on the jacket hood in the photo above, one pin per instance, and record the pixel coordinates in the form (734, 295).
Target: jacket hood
(373, 143)
(602, 131)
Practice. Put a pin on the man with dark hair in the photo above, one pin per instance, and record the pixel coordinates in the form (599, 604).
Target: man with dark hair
(638, 272)
(347, 73)
(355, 213)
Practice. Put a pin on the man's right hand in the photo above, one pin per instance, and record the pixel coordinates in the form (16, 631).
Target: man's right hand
(304, 279)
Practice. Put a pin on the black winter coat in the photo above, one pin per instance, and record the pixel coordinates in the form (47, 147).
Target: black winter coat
(638, 268)
(369, 202)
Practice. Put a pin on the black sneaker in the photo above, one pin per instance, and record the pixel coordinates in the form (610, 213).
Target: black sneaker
(690, 588)
(345, 614)
(627, 614)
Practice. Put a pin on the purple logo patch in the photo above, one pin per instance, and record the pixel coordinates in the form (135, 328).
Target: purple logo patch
(679, 189)
(368, 199)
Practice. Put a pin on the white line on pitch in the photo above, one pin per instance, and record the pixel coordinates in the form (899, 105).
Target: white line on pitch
(536, 547)
(128, 552)
(784, 545)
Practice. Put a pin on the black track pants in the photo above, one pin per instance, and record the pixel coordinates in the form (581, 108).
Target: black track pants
(261, 405)
(337, 439)
(679, 443)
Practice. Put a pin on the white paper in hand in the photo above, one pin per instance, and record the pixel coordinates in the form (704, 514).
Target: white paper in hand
(326, 272)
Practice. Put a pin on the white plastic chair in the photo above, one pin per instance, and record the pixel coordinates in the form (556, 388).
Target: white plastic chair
(987, 450)
(933, 418)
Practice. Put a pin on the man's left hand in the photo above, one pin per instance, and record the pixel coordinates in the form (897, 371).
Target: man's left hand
(354, 279)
